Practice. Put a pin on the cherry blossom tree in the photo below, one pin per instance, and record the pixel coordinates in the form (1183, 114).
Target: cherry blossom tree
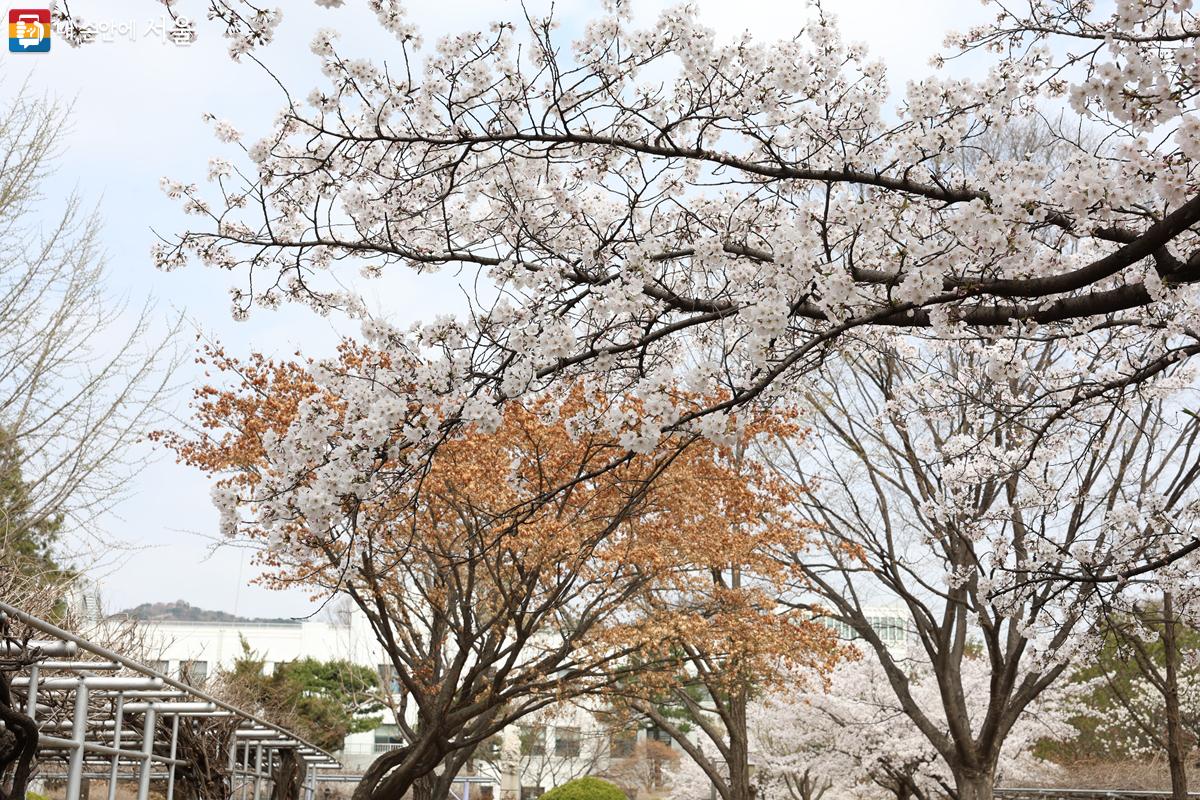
(930, 497)
(1136, 725)
(1146, 688)
(493, 594)
(646, 206)
(851, 737)
(738, 637)
(650, 209)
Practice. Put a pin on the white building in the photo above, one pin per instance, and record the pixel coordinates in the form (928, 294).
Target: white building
(199, 649)
(892, 623)
(195, 650)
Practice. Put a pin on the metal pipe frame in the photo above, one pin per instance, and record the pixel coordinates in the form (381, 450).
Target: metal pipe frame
(62, 648)
(56, 743)
(80, 666)
(93, 682)
(106, 743)
(116, 760)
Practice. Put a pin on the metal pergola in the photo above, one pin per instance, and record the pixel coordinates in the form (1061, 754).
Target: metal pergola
(104, 716)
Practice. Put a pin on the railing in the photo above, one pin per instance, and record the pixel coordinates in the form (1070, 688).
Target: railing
(368, 748)
(1020, 793)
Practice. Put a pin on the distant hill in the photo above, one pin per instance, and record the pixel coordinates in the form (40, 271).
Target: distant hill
(179, 611)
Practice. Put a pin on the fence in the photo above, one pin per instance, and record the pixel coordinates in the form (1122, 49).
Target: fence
(1017, 793)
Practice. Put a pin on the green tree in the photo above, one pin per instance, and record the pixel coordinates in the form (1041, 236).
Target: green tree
(322, 701)
(586, 788)
(28, 539)
(1141, 692)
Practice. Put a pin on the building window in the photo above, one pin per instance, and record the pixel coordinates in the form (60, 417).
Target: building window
(533, 742)
(891, 629)
(159, 666)
(194, 673)
(623, 744)
(387, 737)
(485, 792)
(657, 734)
(531, 792)
(566, 742)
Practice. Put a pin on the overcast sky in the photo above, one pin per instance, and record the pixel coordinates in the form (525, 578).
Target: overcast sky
(137, 118)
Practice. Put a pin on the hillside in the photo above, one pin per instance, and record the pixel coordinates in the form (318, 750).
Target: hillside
(180, 611)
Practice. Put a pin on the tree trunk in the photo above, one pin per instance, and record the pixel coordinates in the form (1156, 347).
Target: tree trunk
(396, 772)
(375, 775)
(974, 784)
(288, 778)
(18, 746)
(424, 788)
(740, 785)
(1176, 746)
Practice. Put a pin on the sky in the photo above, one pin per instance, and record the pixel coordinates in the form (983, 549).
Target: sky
(137, 115)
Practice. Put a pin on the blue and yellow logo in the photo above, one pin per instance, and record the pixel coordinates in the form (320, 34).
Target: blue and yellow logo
(29, 30)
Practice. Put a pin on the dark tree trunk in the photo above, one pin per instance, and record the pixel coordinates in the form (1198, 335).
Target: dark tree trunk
(740, 785)
(374, 774)
(414, 767)
(425, 788)
(974, 784)
(1176, 740)
(288, 777)
(18, 746)
(396, 772)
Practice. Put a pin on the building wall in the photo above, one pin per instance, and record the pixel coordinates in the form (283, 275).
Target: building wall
(219, 644)
(890, 622)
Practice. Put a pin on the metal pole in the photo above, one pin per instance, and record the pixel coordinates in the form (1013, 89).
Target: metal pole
(79, 735)
(171, 768)
(258, 772)
(120, 720)
(147, 751)
(31, 707)
(232, 764)
(246, 771)
(31, 701)
(312, 783)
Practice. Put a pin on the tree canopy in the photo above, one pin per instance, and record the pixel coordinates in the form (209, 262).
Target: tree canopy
(322, 701)
(493, 591)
